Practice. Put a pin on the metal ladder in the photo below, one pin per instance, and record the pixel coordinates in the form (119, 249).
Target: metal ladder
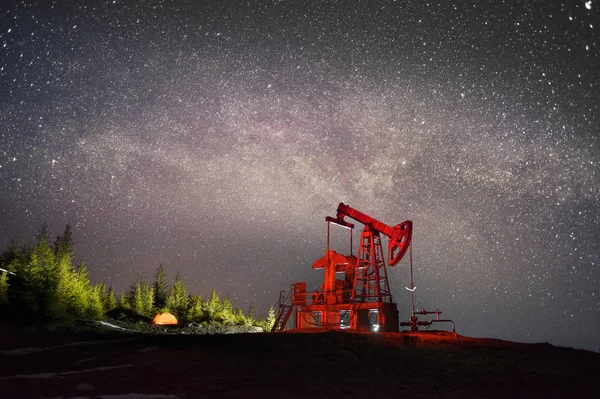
(284, 311)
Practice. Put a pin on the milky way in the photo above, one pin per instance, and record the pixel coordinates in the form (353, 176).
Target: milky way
(214, 137)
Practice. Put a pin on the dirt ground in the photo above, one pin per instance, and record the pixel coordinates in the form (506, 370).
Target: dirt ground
(288, 365)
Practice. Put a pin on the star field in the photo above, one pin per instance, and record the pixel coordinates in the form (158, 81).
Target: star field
(214, 137)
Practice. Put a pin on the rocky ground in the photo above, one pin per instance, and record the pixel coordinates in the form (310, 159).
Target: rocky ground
(118, 364)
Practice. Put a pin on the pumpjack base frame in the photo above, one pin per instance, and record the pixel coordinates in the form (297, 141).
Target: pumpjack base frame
(362, 317)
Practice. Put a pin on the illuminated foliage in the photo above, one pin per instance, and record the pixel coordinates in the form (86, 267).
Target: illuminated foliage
(33, 277)
(107, 297)
(43, 284)
(214, 308)
(110, 302)
(227, 314)
(160, 287)
(267, 324)
(94, 310)
(196, 312)
(251, 312)
(141, 297)
(3, 288)
(77, 295)
(178, 299)
(270, 319)
(63, 245)
(241, 319)
(124, 301)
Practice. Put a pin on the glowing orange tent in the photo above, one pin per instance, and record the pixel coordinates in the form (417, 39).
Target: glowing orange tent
(163, 319)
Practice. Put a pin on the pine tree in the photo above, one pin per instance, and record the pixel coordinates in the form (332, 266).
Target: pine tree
(63, 245)
(29, 285)
(267, 324)
(251, 313)
(178, 299)
(64, 290)
(24, 280)
(94, 310)
(124, 302)
(137, 301)
(67, 291)
(17, 282)
(196, 311)
(3, 288)
(74, 292)
(227, 314)
(103, 293)
(42, 233)
(147, 300)
(12, 252)
(46, 295)
(270, 319)
(214, 308)
(44, 284)
(141, 296)
(160, 287)
(80, 298)
(110, 302)
(241, 319)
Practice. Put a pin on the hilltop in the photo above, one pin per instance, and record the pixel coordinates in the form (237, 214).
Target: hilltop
(290, 365)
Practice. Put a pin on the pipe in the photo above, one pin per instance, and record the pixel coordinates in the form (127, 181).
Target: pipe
(426, 312)
(446, 321)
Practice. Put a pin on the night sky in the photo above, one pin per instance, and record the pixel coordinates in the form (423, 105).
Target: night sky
(215, 136)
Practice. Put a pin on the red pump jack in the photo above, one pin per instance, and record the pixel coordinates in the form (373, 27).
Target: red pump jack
(361, 300)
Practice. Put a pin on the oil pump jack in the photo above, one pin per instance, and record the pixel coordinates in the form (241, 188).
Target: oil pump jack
(361, 300)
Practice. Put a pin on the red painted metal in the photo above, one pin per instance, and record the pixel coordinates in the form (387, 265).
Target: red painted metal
(399, 235)
(360, 299)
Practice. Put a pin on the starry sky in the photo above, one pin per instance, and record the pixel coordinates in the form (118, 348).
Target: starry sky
(214, 137)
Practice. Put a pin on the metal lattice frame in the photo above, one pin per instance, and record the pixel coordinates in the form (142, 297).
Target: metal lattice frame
(370, 281)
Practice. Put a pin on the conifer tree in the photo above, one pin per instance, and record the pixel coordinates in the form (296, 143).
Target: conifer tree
(103, 292)
(227, 314)
(48, 278)
(45, 285)
(3, 288)
(67, 290)
(42, 233)
(80, 292)
(270, 319)
(12, 252)
(251, 313)
(267, 324)
(214, 308)
(137, 301)
(177, 300)
(241, 319)
(196, 311)
(29, 284)
(160, 287)
(147, 300)
(63, 245)
(94, 309)
(142, 296)
(64, 285)
(12, 259)
(110, 302)
(17, 282)
(124, 301)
